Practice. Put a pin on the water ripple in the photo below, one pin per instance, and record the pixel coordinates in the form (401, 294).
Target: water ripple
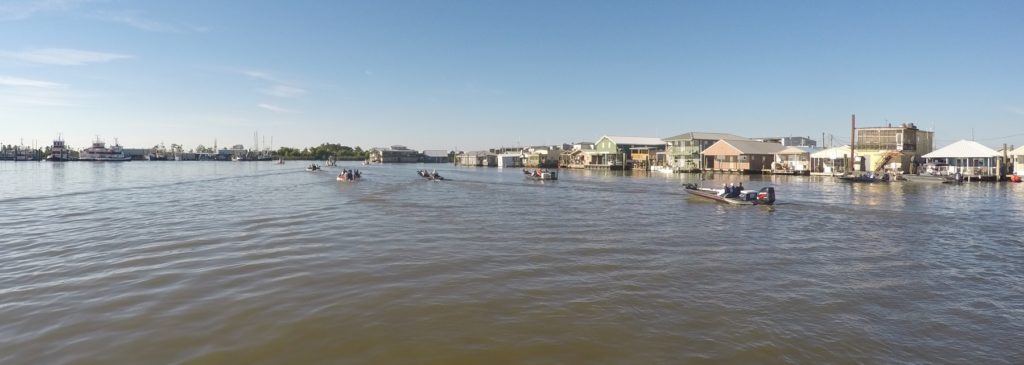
(254, 263)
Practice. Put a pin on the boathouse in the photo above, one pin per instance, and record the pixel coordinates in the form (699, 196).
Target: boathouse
(509, 159)
(614, 152)
(830, 161)
(682, 152)
(435, 156)
(792, 161)
(583, 158)
(749, 157)
(970, 158)
(541, 156)
(394, 154)
(477, 158)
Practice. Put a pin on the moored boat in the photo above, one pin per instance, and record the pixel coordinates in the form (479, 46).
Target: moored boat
(100, 152)
(59, 151)
(872, 178)
(765, 196)
(924, 178)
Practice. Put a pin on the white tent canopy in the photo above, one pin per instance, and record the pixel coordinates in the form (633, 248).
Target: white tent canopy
(963, 149)
(833, 153)
(1017, 152)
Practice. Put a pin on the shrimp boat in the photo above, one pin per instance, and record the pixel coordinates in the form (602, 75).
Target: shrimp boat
(765, 196)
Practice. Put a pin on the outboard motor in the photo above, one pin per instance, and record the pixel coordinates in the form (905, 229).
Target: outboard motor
(766, 196)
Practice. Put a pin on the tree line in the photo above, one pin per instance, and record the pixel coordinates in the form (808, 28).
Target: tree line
(323, 152)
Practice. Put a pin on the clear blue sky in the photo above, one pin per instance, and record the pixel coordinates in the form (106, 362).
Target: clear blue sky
(476, 74)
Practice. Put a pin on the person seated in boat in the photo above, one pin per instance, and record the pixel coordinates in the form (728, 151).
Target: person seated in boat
(734, 191)
(725, 190)
(739, 188)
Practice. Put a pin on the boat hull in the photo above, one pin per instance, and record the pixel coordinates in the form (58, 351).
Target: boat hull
(540, 176)
(765, 196)
(935, 179)
(861, 179)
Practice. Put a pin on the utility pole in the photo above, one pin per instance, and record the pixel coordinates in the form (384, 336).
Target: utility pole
(853, 135)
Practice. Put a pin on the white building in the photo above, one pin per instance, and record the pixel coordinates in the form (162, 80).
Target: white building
(510, 160)
(967, 157)
(1017, 156)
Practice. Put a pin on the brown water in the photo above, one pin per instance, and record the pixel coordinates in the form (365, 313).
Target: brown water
(237, 263)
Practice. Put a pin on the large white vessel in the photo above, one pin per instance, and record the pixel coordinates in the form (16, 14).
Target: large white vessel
(100, 152)
(59, 151)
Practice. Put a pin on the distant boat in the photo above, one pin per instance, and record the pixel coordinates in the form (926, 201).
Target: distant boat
(349, 176)
(937, 179)
(100, 152)
(540, 174)
(428, 175)
(765, 196)
(864, 178)
(663, 169)
(59, 152)
(280, 161)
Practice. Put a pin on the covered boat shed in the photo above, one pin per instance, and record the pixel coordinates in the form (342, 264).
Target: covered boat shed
(970, 158)
(830, 161)
(792, 160)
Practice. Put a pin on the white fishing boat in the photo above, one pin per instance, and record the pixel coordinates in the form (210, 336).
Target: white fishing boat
(739, 196)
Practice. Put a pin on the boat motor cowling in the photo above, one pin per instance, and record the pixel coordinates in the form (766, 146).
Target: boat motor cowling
(766, 195)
